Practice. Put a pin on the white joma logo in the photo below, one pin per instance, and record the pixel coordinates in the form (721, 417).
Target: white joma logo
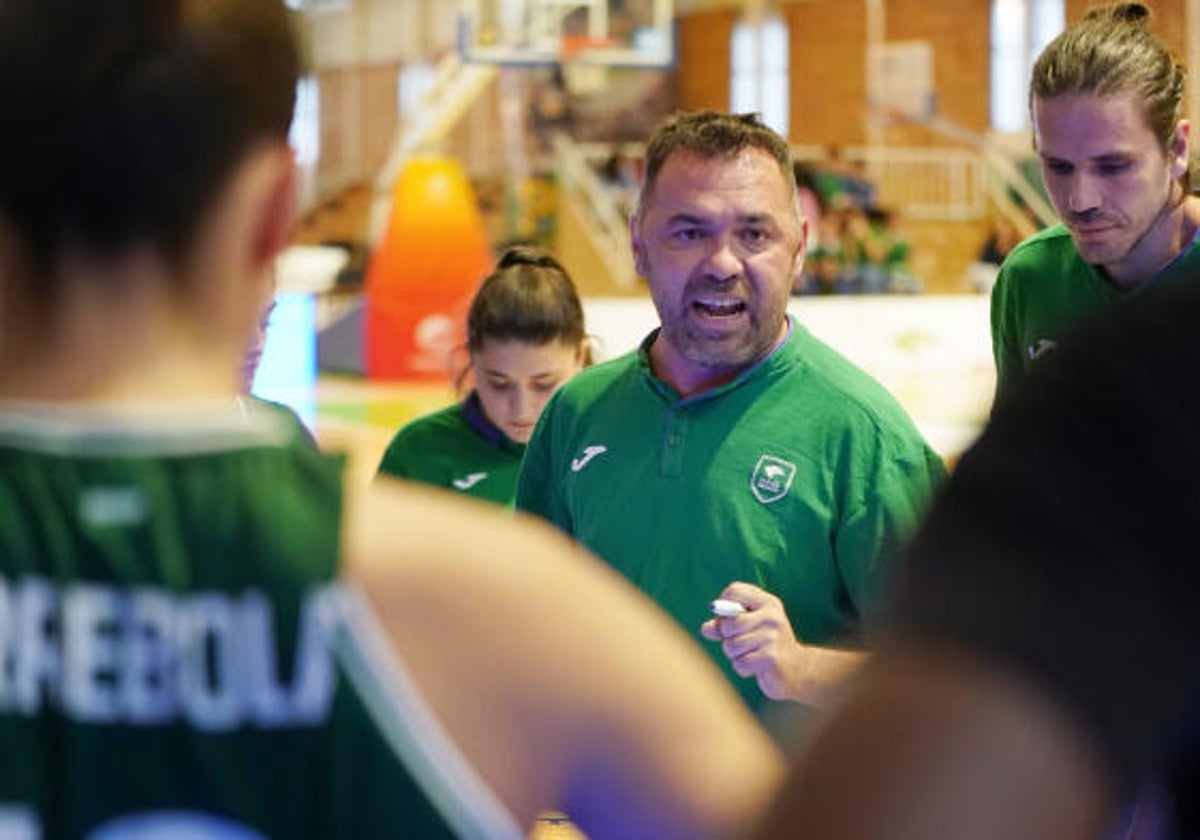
(469, 481)
(589, 453)
(1040, 348)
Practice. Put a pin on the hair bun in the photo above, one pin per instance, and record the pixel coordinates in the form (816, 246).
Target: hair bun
(1131, 13)
(526, 255)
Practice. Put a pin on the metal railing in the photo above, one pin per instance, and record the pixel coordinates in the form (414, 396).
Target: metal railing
(944, 183)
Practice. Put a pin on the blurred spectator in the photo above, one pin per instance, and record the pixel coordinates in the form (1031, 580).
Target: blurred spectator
(622, 173)
(1002, 237)
(855, 251)
(824, 266)
(812, 205)
(842, 183)
(888, 250)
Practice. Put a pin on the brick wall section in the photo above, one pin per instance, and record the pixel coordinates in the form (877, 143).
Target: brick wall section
(828, 65)
(827, 57)
(358, 118)
(703, 70)
(380, 103)
(958, 33)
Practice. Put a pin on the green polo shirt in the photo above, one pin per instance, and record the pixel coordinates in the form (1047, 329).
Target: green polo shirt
(802, 476)
(457, 448)
(1044, 289)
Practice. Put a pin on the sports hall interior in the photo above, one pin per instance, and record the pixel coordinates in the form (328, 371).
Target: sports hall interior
(916, 107)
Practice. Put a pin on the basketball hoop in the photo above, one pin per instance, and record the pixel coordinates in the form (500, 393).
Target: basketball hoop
(612, 33)
(576, 47)
(584, 67)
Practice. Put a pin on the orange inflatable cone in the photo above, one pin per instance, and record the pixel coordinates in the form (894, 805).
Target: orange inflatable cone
(423, 272)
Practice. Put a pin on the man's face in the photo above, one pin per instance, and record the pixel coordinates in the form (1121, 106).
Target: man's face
(1110, 179)
(720, 243)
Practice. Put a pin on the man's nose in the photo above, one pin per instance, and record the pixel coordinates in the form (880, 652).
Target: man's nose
(1082, 194)
(723, 262)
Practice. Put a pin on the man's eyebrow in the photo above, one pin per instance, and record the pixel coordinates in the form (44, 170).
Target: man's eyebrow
(1107, 157)
(686, 219)
(741, 218)
(754, 218)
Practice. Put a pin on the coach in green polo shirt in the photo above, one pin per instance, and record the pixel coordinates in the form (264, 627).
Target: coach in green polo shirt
(733, 455)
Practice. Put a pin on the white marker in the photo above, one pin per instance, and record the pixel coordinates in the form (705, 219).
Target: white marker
(726, 608)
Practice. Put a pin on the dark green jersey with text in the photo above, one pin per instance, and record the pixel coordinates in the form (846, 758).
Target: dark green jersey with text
(177, 655)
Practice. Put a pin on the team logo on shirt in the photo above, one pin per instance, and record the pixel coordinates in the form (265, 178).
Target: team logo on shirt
(589, 453)
(468, 481)
(772, 479)
(1040, 348)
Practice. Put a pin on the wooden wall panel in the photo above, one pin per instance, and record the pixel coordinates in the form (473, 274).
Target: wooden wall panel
(332, 87)
(828, 65)
(958, 33)
(358, 108)
(380, 105)
(828, 71)
(704, 60)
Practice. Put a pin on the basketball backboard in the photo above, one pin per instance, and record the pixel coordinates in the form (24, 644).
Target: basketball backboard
(614, 33)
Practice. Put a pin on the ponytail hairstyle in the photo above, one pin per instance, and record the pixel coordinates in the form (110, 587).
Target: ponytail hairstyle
(1110, 51)
(529, 298)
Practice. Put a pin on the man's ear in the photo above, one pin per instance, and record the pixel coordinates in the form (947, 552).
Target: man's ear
(640, 264)
(1180, 149)
(801, 251)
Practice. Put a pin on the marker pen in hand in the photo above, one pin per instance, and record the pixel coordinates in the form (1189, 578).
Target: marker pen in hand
(726, 608)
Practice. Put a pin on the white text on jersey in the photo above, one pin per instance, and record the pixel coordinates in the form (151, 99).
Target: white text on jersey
(148, 657)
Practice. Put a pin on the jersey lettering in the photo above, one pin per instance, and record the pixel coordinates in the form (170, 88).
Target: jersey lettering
(148, 657)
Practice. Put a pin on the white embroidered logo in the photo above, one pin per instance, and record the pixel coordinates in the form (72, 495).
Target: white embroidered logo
(469, 481)
(589, 453)
(772, 479)
(1040, 348)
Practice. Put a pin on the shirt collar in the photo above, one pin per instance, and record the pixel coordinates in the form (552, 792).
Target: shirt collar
(472, 409)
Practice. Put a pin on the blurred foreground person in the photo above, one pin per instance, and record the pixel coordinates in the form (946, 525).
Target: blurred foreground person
(1040, 665)
(183, 650)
